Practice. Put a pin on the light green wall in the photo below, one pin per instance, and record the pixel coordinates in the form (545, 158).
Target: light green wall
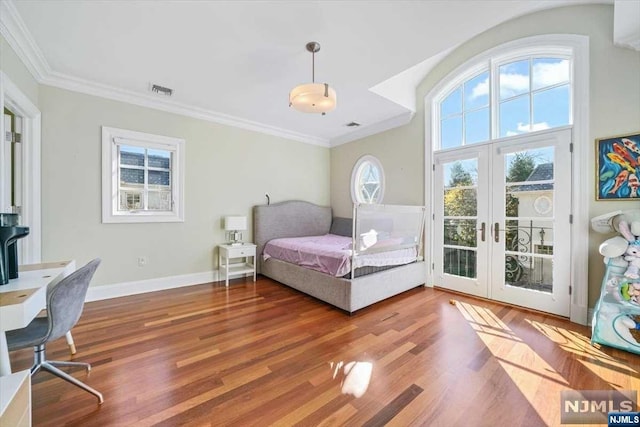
(401, 151)
(228, 170)
(614, 109)
(17, 72)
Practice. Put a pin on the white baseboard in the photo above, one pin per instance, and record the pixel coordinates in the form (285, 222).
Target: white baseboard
(590, 315)
(97, 293)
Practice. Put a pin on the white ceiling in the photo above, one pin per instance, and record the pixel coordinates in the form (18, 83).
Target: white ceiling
(234, 62)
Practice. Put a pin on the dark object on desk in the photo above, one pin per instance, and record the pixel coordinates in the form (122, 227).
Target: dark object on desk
(65, 301)
(10, 232)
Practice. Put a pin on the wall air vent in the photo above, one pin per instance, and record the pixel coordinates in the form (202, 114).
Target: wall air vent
(353, 124)
(161, 90)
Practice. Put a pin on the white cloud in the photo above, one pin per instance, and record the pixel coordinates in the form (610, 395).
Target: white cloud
(538, 126)
(481, 89)
(544, 74)
(547, 74)
(524, 128)
(513, 84)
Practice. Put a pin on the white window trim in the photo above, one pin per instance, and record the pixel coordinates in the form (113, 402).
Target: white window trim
(579, 48)
(110, 178)
(354, 176)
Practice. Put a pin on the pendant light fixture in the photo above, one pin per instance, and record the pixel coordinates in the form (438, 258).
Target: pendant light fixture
(313, 97)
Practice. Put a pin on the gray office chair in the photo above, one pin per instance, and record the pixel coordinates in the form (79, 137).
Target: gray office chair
(65, 301)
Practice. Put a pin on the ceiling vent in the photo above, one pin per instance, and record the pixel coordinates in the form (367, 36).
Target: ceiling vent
(161, 90)
(352, 124)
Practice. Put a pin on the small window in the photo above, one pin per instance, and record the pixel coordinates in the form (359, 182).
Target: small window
(367, 181)
(142, 177)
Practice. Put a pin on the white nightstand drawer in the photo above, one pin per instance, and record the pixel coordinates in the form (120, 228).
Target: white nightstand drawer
(241, 251)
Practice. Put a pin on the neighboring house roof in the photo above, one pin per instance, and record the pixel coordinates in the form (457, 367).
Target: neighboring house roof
(136, 176)
(542, 172)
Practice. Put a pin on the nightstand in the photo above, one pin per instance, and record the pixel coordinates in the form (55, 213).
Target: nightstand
(229, 252)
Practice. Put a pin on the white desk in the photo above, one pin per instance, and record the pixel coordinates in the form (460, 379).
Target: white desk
(23, 298)
(15, 399)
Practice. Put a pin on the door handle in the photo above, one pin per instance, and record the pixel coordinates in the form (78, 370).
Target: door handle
(483, 231)
(496, 232)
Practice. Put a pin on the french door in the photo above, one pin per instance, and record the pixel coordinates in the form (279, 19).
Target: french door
(502, 220)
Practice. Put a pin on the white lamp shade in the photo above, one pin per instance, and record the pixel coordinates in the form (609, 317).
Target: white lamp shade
(313, 98)
(234, 223)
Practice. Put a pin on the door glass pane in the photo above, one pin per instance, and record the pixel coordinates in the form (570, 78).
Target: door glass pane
(460, 202)
(529, 225)
(460, 232)
(460, 222)
(529, 272)
(461, 173)
(514, 116)
(460, 262)
(476, 92)
(551, 108)
(476, 126)
(514, 79)
(549, 72)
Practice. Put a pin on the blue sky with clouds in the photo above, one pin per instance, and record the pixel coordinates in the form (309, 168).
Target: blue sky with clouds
(534, 94)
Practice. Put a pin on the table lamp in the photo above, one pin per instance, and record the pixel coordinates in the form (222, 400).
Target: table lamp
(233, 225)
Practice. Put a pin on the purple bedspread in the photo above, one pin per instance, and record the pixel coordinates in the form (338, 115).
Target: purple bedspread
(331, 254)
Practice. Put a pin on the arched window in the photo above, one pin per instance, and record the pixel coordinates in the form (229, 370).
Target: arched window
(501, 96)
(367, 180)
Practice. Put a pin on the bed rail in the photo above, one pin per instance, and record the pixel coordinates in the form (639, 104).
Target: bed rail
(382, 228)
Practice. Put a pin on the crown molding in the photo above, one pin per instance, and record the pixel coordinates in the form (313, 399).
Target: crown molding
(15, 31)
(390, 123)
(76, 84)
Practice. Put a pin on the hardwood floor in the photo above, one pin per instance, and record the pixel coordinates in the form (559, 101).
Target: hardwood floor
(264, 354)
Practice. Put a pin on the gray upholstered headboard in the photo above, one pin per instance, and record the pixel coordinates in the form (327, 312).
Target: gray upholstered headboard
(342, 226)
(288, 219)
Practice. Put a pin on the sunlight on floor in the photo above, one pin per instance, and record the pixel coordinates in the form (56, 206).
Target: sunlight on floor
(535, 378)
(356, 376)
(598, 362)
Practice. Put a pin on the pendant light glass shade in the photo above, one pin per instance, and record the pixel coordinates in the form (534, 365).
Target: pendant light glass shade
(313, 97)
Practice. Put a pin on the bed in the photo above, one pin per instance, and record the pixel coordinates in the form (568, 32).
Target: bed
(383, 260)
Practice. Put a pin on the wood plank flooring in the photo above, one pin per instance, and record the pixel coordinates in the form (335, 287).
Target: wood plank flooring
(264, 354)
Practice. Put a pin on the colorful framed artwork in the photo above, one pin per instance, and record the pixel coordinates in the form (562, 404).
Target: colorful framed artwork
(618, 167)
